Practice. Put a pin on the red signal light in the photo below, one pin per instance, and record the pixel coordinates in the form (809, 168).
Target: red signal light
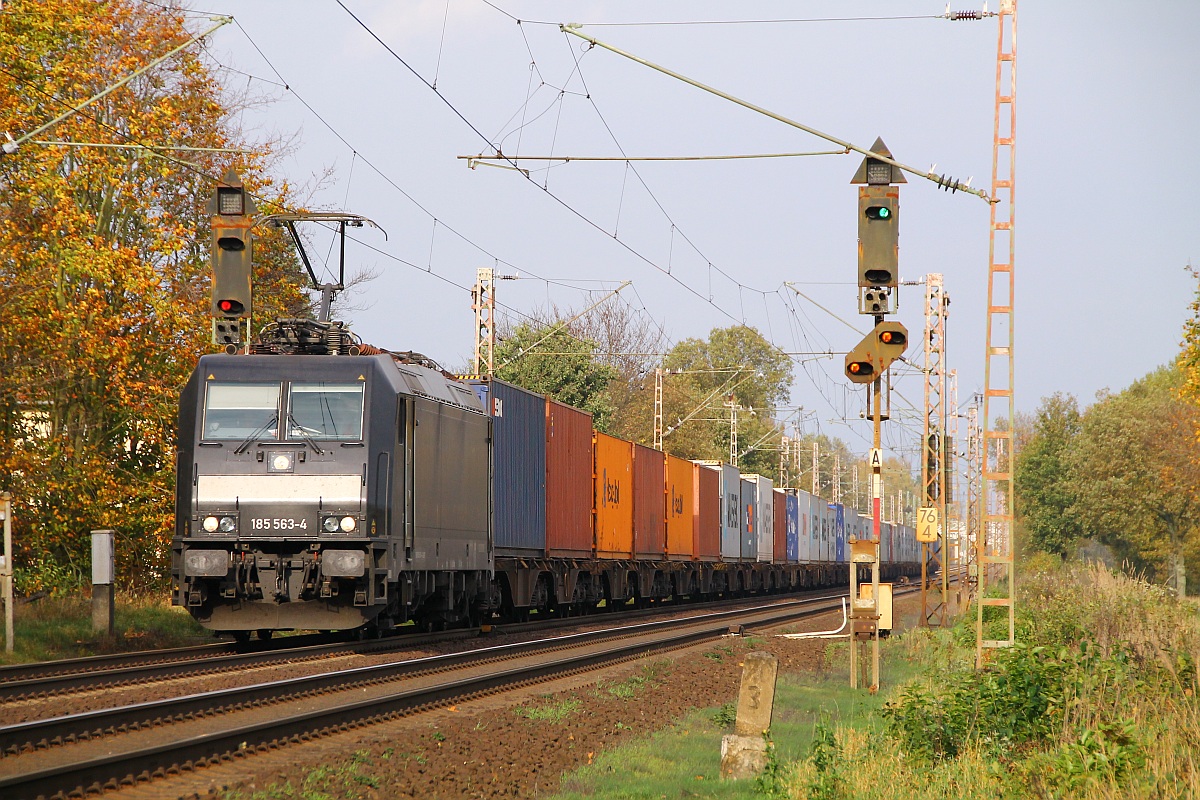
(230, 307)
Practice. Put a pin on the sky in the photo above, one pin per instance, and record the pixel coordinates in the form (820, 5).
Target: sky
(379, 103)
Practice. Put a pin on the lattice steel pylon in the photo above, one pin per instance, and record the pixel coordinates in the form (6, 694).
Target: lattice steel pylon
(484, 303)
(816, 471)
(969, 586)
(658, 409)
(955, 535)
(995, 556)
(837, 477)
(935, 589)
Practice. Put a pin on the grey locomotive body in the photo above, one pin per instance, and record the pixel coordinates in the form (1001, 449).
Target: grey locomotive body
(330, 492)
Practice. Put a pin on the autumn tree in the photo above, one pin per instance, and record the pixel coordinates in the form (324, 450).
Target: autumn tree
(707, 377)
(1137, 483)
(549, 360)
(1045, 488)
(104, 271)
(1188, 360)
(622, 341)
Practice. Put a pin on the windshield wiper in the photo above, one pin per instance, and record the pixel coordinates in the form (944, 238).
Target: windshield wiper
(297, 427)
(241, 448)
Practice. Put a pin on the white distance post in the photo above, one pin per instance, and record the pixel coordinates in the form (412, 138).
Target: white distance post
(6, 570)
(103, 601)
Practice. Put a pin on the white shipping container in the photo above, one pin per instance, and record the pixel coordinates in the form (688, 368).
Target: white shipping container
(764, 517)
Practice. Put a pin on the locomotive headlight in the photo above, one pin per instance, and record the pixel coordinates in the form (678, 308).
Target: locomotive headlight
(330, 524)
(223, 524)
(347, 524)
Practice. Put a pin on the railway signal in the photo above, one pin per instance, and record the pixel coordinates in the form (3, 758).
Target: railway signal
(230, 308)
(876, 352)
(878, 236)
(878, 232)
(232, 211)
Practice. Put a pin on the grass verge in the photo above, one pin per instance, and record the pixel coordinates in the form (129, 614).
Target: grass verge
(61, 627)
(684, 760)
(1097, 701)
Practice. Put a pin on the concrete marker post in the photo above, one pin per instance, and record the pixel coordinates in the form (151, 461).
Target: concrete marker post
(103, 600)
(744, 752)
(6, 571)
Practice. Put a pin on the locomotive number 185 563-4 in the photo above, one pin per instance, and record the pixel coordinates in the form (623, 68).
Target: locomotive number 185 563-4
(278, 524)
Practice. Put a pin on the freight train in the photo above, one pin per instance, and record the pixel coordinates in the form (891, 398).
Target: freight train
(327, 485)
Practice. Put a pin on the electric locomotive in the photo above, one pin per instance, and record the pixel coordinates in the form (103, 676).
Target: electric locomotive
(326, 485)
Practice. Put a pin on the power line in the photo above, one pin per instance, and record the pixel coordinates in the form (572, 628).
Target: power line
(578, 214)
(568, 159)
(699, 22)
(286, 85)
(629, 248)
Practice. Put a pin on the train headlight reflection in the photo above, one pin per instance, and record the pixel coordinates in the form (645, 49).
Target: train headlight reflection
(330, 524)
(343, 563)
(206, 563)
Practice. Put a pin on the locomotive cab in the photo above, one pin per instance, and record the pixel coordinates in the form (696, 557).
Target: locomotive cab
(298, 505)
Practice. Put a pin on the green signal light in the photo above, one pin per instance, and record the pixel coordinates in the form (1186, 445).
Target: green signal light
(879, 212)
(884, 213)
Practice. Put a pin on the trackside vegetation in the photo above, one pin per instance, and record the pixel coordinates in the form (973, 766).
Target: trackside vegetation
(1097, 700)
(50, 628)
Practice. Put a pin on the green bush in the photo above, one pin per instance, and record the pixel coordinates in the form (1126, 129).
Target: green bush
(825, 759)
(1012, 704)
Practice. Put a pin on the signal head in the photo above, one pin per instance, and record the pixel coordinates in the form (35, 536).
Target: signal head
(860, 371)
(893, 337)
(230, 308)
(878, 212)
(231, 201)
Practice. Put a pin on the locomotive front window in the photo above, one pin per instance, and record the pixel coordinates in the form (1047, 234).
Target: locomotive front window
(325, 411)
(241, 410)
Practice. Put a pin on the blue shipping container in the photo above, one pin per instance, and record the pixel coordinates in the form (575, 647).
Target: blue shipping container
(839, 511)
(792, 504)
(518, 467)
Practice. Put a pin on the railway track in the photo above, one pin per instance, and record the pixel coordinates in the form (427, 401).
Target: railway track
(141, 742)
(43, 679)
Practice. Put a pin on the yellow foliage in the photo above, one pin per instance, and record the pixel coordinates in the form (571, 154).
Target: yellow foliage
(104, 271)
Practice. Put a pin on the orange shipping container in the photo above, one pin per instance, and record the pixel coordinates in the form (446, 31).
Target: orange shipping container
(681, 510)
(707, 502)
(649, 504)
(614, 496)
(568, 481)
(780, 547)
